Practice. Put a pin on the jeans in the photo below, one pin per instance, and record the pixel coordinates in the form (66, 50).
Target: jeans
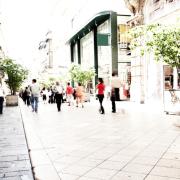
(34, 103)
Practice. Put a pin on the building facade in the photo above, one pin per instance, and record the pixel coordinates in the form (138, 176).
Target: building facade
(95, 44)
(103, 44)
(150, 80)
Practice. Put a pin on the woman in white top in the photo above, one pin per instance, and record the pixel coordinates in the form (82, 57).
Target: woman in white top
(58, 96)
(2, 94)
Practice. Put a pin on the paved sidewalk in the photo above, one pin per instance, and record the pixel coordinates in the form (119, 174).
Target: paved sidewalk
(81, 144)
(14, 158)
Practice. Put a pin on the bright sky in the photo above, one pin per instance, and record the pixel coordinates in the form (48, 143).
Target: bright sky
(26, 22)
(23, 23)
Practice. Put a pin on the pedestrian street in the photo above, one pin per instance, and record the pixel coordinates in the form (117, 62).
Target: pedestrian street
(81, 144)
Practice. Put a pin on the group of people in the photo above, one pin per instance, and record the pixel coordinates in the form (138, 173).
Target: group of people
(30, 95)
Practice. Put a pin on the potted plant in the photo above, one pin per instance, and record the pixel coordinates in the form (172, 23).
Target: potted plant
(16, 74)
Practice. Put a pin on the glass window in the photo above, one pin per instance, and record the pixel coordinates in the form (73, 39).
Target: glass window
(168, 77)
(171, 78)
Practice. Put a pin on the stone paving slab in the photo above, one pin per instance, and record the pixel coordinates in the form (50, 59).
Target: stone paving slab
(81, 144)
(14, 158)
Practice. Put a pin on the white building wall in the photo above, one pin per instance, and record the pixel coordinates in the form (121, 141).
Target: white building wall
(163, 13)
(137, 78)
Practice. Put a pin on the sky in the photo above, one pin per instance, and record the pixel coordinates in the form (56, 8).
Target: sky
(24, 23)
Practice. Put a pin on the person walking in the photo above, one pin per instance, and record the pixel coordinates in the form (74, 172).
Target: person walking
(115, 84)
(35, 91)
(26, 96)
(44, 95)
(2, 94)
(49, 94)
(58, 96)
(79, 95)
(69, 92)
(101, 87)
(113, 100)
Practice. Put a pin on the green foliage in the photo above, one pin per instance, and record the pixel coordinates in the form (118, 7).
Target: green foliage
(47, 82)
(163, 41)
(82, 76)
(16, 74)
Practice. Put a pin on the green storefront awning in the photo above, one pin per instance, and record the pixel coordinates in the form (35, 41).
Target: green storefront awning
(95, 21)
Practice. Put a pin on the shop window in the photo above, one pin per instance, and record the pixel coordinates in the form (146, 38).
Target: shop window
(171, 78)
(123, 39)
(168, 77)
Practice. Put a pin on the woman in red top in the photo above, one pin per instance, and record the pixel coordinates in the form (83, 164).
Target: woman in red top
(69, 92)
(101, 88)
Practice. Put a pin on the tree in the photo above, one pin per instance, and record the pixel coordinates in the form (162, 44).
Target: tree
(82, 76)
(162, 40)
(16, 74)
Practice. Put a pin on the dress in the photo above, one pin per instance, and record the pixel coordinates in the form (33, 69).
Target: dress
(80, 95)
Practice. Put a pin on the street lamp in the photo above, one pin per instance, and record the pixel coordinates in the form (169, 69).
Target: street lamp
(47, 44)
(42, 45)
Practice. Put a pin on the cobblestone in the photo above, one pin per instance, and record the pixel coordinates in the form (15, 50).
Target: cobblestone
(14, 158)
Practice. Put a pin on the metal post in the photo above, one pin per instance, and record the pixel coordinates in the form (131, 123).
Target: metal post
(114, 49)
(95, 55)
